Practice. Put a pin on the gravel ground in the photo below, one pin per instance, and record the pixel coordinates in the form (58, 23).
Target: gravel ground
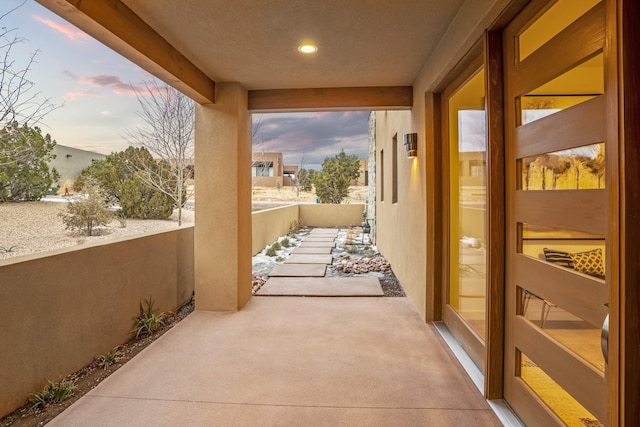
(32, 227)
(347, 238)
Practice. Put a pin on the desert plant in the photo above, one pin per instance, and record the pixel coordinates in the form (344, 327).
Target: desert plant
(279, 259)
(276, 245)
(108, 359)
(271, 251)
(285, 243)
(6, 250)
(147, 321)
(65, 187)
(294, 227)
(52, 393)
(350, 249)
(89, 210)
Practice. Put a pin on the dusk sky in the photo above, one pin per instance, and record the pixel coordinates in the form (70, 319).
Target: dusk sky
(95, 85)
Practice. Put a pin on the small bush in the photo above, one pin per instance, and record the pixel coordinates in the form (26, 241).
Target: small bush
(65, 188)
(52, 393)
(350, 249)
(108, 359)
(280, 259)
(285, 243)
(88, 211)
(276, 245)
(271, 251)
(147, 321)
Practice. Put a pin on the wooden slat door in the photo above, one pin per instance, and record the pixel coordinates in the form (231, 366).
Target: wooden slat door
(560, 175)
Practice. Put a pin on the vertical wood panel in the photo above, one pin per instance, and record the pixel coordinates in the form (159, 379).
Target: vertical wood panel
(433, 144)
(495, 216)
(630, 274)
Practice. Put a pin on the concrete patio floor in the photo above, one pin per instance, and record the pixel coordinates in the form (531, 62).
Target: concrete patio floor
(291, 361)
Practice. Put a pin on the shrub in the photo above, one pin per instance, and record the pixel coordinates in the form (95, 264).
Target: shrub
(285, 243)
(280, 259)
(89, 210)
(108, 359)
(124, 186)
(350, 249)
(147, 321)
(276, 245)
(271, 251)
(52, 393)
(27, 177)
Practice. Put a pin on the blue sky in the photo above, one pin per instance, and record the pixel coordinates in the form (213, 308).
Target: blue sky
(95, 85)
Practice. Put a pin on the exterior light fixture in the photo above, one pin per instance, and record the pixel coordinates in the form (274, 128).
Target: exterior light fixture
(307, 48)
(411, 144)
(69, 155)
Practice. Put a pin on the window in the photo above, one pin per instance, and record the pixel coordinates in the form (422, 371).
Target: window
(262, 169)
(382, 175)
(394, 172)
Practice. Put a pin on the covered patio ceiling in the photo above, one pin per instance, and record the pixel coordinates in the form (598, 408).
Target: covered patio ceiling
(375, 48)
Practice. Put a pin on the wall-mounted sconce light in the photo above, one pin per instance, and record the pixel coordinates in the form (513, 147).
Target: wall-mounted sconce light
(411, 144)
(69, 155)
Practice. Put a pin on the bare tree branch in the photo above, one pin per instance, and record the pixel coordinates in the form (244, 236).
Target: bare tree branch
(19, 102)
(167, 131)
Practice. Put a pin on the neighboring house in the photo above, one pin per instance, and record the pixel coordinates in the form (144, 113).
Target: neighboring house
(69, 162)
(269, 170)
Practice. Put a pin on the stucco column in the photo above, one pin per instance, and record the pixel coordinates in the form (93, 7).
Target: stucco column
(223, 201)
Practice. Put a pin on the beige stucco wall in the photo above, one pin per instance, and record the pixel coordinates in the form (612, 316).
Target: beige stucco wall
(401, 227)
(269, 224)
(61, 309)
(326, 215)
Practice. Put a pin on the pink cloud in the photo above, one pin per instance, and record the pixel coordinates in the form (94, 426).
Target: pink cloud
(68, 30)
(106, 81)
(75, 95)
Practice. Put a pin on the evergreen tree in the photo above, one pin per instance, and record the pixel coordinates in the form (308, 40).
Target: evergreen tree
(30, 178)
(119, 174)
(332, 183)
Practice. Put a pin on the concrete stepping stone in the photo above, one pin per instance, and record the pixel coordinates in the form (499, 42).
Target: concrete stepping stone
(317, 251)
(322, 287)
(306, 244)
(298, 270)
(309, 259)
(319, 239)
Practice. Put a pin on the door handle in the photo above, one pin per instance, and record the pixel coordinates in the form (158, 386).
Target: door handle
(604, 339)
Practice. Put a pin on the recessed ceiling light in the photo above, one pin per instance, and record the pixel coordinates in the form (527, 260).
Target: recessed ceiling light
(307, 48)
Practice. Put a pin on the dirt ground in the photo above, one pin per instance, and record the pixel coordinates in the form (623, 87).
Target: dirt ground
(32, 227)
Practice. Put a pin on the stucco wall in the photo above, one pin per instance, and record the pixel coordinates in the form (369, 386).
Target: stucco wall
(269, 224)
(60, 309)
(326, 215)
(69, 161)
(401, 226)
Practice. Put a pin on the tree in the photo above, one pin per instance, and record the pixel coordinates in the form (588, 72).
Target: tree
(167, 131)
(121, 176)
(597, 167)
(88, 210)
(30, 178)
(559, 166)
(305, 179)
(19, 102)
(332, 183)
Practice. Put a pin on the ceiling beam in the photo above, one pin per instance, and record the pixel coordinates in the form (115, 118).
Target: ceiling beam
(323, 99)
(114, 24)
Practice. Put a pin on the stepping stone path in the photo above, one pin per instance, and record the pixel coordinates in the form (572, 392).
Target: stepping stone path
(302, 273)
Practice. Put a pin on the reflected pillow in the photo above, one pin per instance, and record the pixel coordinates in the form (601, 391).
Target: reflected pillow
(589, 262)
(560, 258)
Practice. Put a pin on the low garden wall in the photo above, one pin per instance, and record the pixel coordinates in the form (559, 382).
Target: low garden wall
(58, 311)
(269, 224)
(321, 215)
